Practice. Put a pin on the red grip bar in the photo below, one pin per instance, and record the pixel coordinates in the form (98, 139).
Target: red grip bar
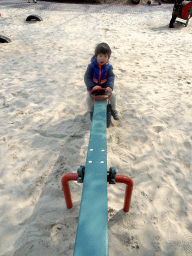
(128, 192)
(66, 189)
(101, 97)
(118, 178)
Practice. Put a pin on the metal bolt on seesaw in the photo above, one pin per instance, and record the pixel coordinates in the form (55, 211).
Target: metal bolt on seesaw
(92, 230)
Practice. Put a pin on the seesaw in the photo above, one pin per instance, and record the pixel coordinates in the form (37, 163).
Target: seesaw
(92, 230)
(185, 12)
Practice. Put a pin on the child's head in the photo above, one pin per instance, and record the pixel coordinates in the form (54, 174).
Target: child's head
(102, 53)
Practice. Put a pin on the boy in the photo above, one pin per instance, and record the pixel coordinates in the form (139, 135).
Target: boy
(99, 74)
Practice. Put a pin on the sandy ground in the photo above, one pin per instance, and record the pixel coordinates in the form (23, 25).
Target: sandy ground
(45, 127)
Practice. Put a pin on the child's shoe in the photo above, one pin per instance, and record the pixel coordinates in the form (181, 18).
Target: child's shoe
(91, 115)
(114, 114)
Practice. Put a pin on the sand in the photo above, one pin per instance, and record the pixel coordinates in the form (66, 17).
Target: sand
(45, 127)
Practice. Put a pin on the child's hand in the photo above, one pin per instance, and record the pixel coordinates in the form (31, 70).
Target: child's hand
(97, 87)
(108, 89)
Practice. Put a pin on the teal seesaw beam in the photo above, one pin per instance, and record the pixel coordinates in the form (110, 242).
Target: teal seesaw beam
(92, 230)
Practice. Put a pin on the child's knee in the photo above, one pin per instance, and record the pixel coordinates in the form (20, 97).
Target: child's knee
(113, 94)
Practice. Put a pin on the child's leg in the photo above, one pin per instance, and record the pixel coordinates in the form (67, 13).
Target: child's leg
(113, 100)
(113, 106)
(90, 103)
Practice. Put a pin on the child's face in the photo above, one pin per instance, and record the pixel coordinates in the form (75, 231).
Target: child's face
(102, 59)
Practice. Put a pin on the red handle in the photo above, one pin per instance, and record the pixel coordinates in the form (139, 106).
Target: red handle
(66, 189)
(128, 192)
(99, 97)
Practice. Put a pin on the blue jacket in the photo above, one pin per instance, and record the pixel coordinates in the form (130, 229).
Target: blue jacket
(99, 75)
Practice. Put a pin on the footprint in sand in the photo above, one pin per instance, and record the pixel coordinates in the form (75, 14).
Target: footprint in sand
(162, 204)
(143, 139)
(20, 93)
(158, 129)
(2, 100)
(187, 144)
(187, 242)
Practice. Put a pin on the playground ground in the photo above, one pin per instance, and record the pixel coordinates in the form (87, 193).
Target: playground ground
(45, 126)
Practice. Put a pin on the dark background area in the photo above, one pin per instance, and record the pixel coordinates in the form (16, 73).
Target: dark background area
(104, 1)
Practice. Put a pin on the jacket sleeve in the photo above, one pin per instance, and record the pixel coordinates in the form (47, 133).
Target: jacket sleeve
(88, 78)
(110, 79)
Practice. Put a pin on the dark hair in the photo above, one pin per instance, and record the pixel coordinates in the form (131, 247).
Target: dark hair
(102, 48)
